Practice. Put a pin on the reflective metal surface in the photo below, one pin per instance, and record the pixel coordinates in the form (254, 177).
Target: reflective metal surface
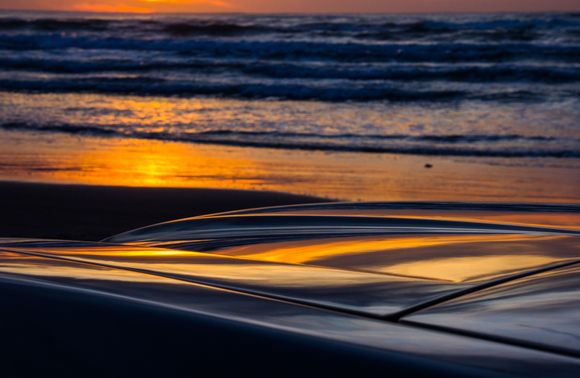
(420, 258)
(558, 215)
(282, 225)
(452, 258)
(378, 276)
(461, 244)
(468, 285)
(543, 309)
(90, 280)
(362, 292)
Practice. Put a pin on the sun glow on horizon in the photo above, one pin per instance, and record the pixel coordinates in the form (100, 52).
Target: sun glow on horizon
(104, 8)
(127, 6)
(148, 6)
(292, 6)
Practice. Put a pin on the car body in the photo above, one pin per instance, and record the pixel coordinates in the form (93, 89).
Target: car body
(339, 289)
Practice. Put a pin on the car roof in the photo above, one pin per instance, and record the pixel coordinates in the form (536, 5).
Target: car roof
(414, 257)
(402, 264)
(542, 310)
(61, 283)
(359, 261)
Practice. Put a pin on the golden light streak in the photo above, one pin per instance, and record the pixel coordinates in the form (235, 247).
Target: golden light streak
(109, 8)
(464, 269)
(149, 6)
(455, 258)
(451, 258)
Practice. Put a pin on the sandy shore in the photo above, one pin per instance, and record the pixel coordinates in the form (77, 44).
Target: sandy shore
(89, 160)
(93, 212)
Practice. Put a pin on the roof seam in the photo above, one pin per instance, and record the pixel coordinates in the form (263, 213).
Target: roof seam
(494, 338)
(462, 292)
(253, 293)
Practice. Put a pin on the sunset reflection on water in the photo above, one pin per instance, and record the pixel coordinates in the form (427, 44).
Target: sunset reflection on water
(123, 140)
(60, 158)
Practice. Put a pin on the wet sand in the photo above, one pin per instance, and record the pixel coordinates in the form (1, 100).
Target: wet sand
(61, 158)
(81, 212)
(109, 185)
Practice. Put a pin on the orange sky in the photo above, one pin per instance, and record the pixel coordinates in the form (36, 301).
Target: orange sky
(295, 5)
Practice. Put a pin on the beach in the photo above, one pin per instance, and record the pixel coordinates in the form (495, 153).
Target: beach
(110, 122)
(340, 176)
(68, 187)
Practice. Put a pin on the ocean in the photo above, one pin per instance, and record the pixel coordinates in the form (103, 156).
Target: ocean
(482, 86)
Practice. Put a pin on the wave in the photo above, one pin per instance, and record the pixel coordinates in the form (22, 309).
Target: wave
(505, 75)
(445, 145)
(290, 70)
(452, 139)
(52, 24)
(212, 28)
(324, 58)
(175, 28)
(301, 50)
(321, 58)
(291, 91)
(506, 28)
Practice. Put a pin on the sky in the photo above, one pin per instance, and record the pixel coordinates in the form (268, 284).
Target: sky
(307, 6)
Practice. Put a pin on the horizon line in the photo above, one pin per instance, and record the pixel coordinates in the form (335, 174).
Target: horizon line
(290, 13)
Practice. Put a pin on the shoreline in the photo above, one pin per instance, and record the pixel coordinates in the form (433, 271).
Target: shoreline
(90, 212)
(344, 176)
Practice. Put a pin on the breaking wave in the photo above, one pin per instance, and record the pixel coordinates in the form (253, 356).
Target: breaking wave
(448, 145)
